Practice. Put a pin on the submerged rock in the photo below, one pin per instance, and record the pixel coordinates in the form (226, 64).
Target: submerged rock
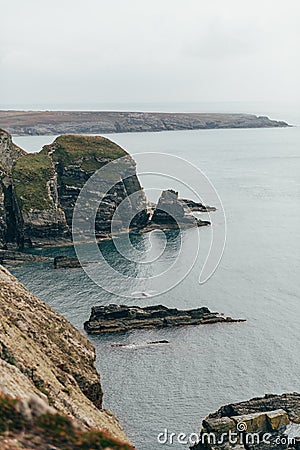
(190, 205)
(113, 318)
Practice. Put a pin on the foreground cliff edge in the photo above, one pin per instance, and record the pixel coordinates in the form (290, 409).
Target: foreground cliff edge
(49, 368)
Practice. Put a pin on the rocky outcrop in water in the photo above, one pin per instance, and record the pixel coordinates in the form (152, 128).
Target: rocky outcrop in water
(44, 358)
(262, 423)
(38, 193)
(9, 153)
(97, 122)
(190, 205)
(172, 212)
(115, 318)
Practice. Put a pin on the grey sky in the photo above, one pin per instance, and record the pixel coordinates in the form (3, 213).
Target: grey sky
(62, 51)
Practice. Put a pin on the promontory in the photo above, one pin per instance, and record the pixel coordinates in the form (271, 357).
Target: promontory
(61, 122)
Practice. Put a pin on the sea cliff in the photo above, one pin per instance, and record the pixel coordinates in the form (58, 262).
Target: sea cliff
(48, 367)
(262, 423)
(115, 318)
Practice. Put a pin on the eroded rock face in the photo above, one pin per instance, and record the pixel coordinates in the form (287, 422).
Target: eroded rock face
(9, 152)
(39, 191)
(261, 423)
(172, 212)
(59, 122)
(42, 354)
(76, 159)
(113, 318)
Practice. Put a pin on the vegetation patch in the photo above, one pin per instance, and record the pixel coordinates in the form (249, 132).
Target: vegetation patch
(88, 152)
(10, 418)
(31, 173)
(51, 429)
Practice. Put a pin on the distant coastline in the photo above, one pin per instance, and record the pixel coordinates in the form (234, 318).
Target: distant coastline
(35, 123)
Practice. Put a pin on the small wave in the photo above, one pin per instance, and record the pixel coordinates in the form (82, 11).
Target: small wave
(141, 344)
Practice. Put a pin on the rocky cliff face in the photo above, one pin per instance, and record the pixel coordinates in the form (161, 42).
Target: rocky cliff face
(76, 159)
(44, 360)
(59, 122)
(9, 154)
(262, 423)
(38, 191)
(115, 318)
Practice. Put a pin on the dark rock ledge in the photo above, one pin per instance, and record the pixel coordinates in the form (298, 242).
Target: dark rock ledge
(12, 256)
(262, 423)
(115, 318)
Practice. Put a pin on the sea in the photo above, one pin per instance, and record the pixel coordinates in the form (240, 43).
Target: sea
(169, 388)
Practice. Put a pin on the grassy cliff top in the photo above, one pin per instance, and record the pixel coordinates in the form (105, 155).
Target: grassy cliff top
(31, 173)
(39, 429)
(89, 152)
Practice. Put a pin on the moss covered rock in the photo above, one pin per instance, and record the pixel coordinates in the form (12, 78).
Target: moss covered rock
(43, 188)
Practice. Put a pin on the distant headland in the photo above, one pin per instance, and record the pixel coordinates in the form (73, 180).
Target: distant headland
(34, 123)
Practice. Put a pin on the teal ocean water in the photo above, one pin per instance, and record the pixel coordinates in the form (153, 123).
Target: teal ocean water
(150, 388)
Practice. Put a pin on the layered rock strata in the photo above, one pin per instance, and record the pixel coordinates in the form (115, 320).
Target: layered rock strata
(115, 318)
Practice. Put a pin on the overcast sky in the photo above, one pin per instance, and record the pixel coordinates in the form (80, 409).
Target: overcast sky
(93, 51)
